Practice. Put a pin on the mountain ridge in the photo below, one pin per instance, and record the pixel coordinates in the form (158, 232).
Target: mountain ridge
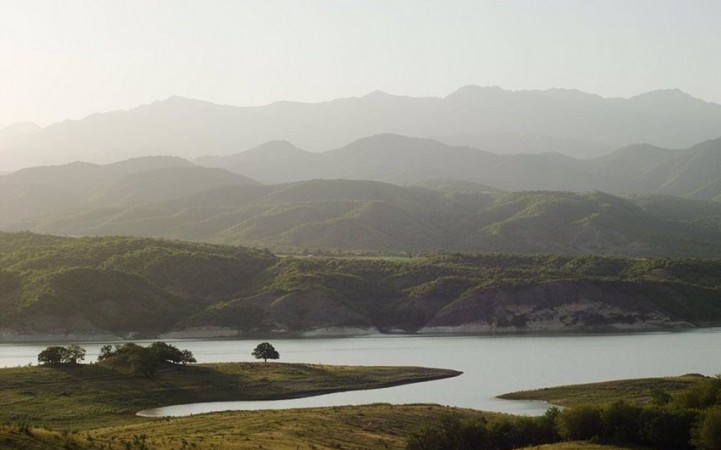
(471, 116)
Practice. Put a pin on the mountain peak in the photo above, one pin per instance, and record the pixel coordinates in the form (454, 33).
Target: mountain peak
(278, 147)
(377, 93)
(666, 95)
(19, 129)
(474, 89)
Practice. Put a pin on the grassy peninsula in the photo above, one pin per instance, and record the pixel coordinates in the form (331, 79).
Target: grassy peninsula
(640, 391)
(94, 395)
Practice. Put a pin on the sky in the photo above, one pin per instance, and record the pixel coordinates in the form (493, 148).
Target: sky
(68, 59)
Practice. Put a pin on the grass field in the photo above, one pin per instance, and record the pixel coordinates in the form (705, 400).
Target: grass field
(378, 426)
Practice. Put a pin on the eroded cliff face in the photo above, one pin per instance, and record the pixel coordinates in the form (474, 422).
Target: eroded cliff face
(553, 306)
(546, 307)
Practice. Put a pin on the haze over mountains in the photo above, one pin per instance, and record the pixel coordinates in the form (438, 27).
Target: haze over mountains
(379, 188)
(488, 118)
(638, 169)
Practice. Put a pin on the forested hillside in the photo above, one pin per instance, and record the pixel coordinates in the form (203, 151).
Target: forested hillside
(117, 286)
(370, 216)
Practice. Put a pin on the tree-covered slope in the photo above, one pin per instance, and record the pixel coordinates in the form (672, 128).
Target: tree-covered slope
(117, 286)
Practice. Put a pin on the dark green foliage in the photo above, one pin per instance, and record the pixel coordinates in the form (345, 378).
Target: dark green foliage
(265, 351)
(450, 434)
(118, 284)
(56, 355)
(709, 432)
(169, 353)
(666, 428)
(455, 434)
(145, 361)
(704, 394)
(52, 355)
(620, 421)
(671, 427)
(580, 422)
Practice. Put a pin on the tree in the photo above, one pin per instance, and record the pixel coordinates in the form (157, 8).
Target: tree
(52, 355)
(56, 355)
(188, 357)
(143, 362)
(74, 353)
(265, 351)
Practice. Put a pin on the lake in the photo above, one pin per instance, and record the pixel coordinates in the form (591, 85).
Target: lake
(492, 365)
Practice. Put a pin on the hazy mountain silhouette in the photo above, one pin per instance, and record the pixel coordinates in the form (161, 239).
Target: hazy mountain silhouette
(16, 130)
(488, 118)
(50, 189)
(636, 169)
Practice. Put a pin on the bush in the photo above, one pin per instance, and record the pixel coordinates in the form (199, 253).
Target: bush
(708, 436)
(579, 423)
(450, 434)
(620, 422)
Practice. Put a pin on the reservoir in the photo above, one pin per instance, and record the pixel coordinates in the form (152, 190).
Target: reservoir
(492, 365)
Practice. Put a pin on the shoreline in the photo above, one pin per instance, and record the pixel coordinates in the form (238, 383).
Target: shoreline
(7, 337)
(449, 373)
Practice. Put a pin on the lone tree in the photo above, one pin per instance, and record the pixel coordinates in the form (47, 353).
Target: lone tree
(265, 351)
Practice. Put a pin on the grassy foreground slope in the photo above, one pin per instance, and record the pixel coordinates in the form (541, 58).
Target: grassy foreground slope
(378, 426)
(55, 285)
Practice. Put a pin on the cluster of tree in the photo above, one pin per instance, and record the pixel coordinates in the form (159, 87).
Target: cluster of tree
(56, 355)
(145, 361)
(690, 421)
(452, 433)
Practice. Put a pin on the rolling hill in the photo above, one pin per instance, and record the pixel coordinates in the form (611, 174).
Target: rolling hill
(118, 286)
(46, 190)
(353, 215)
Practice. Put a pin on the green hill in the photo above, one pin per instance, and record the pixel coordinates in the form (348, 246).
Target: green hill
(119, 286)
(369, 216)
(96, 285)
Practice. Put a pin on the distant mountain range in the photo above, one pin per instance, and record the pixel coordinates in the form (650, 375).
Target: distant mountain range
(638, 169)
(451, 199)
(488, 118)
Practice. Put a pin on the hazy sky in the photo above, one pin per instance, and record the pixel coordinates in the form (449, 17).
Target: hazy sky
(67, 59)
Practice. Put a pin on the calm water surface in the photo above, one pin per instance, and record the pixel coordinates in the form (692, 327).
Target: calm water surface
(492, 365)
